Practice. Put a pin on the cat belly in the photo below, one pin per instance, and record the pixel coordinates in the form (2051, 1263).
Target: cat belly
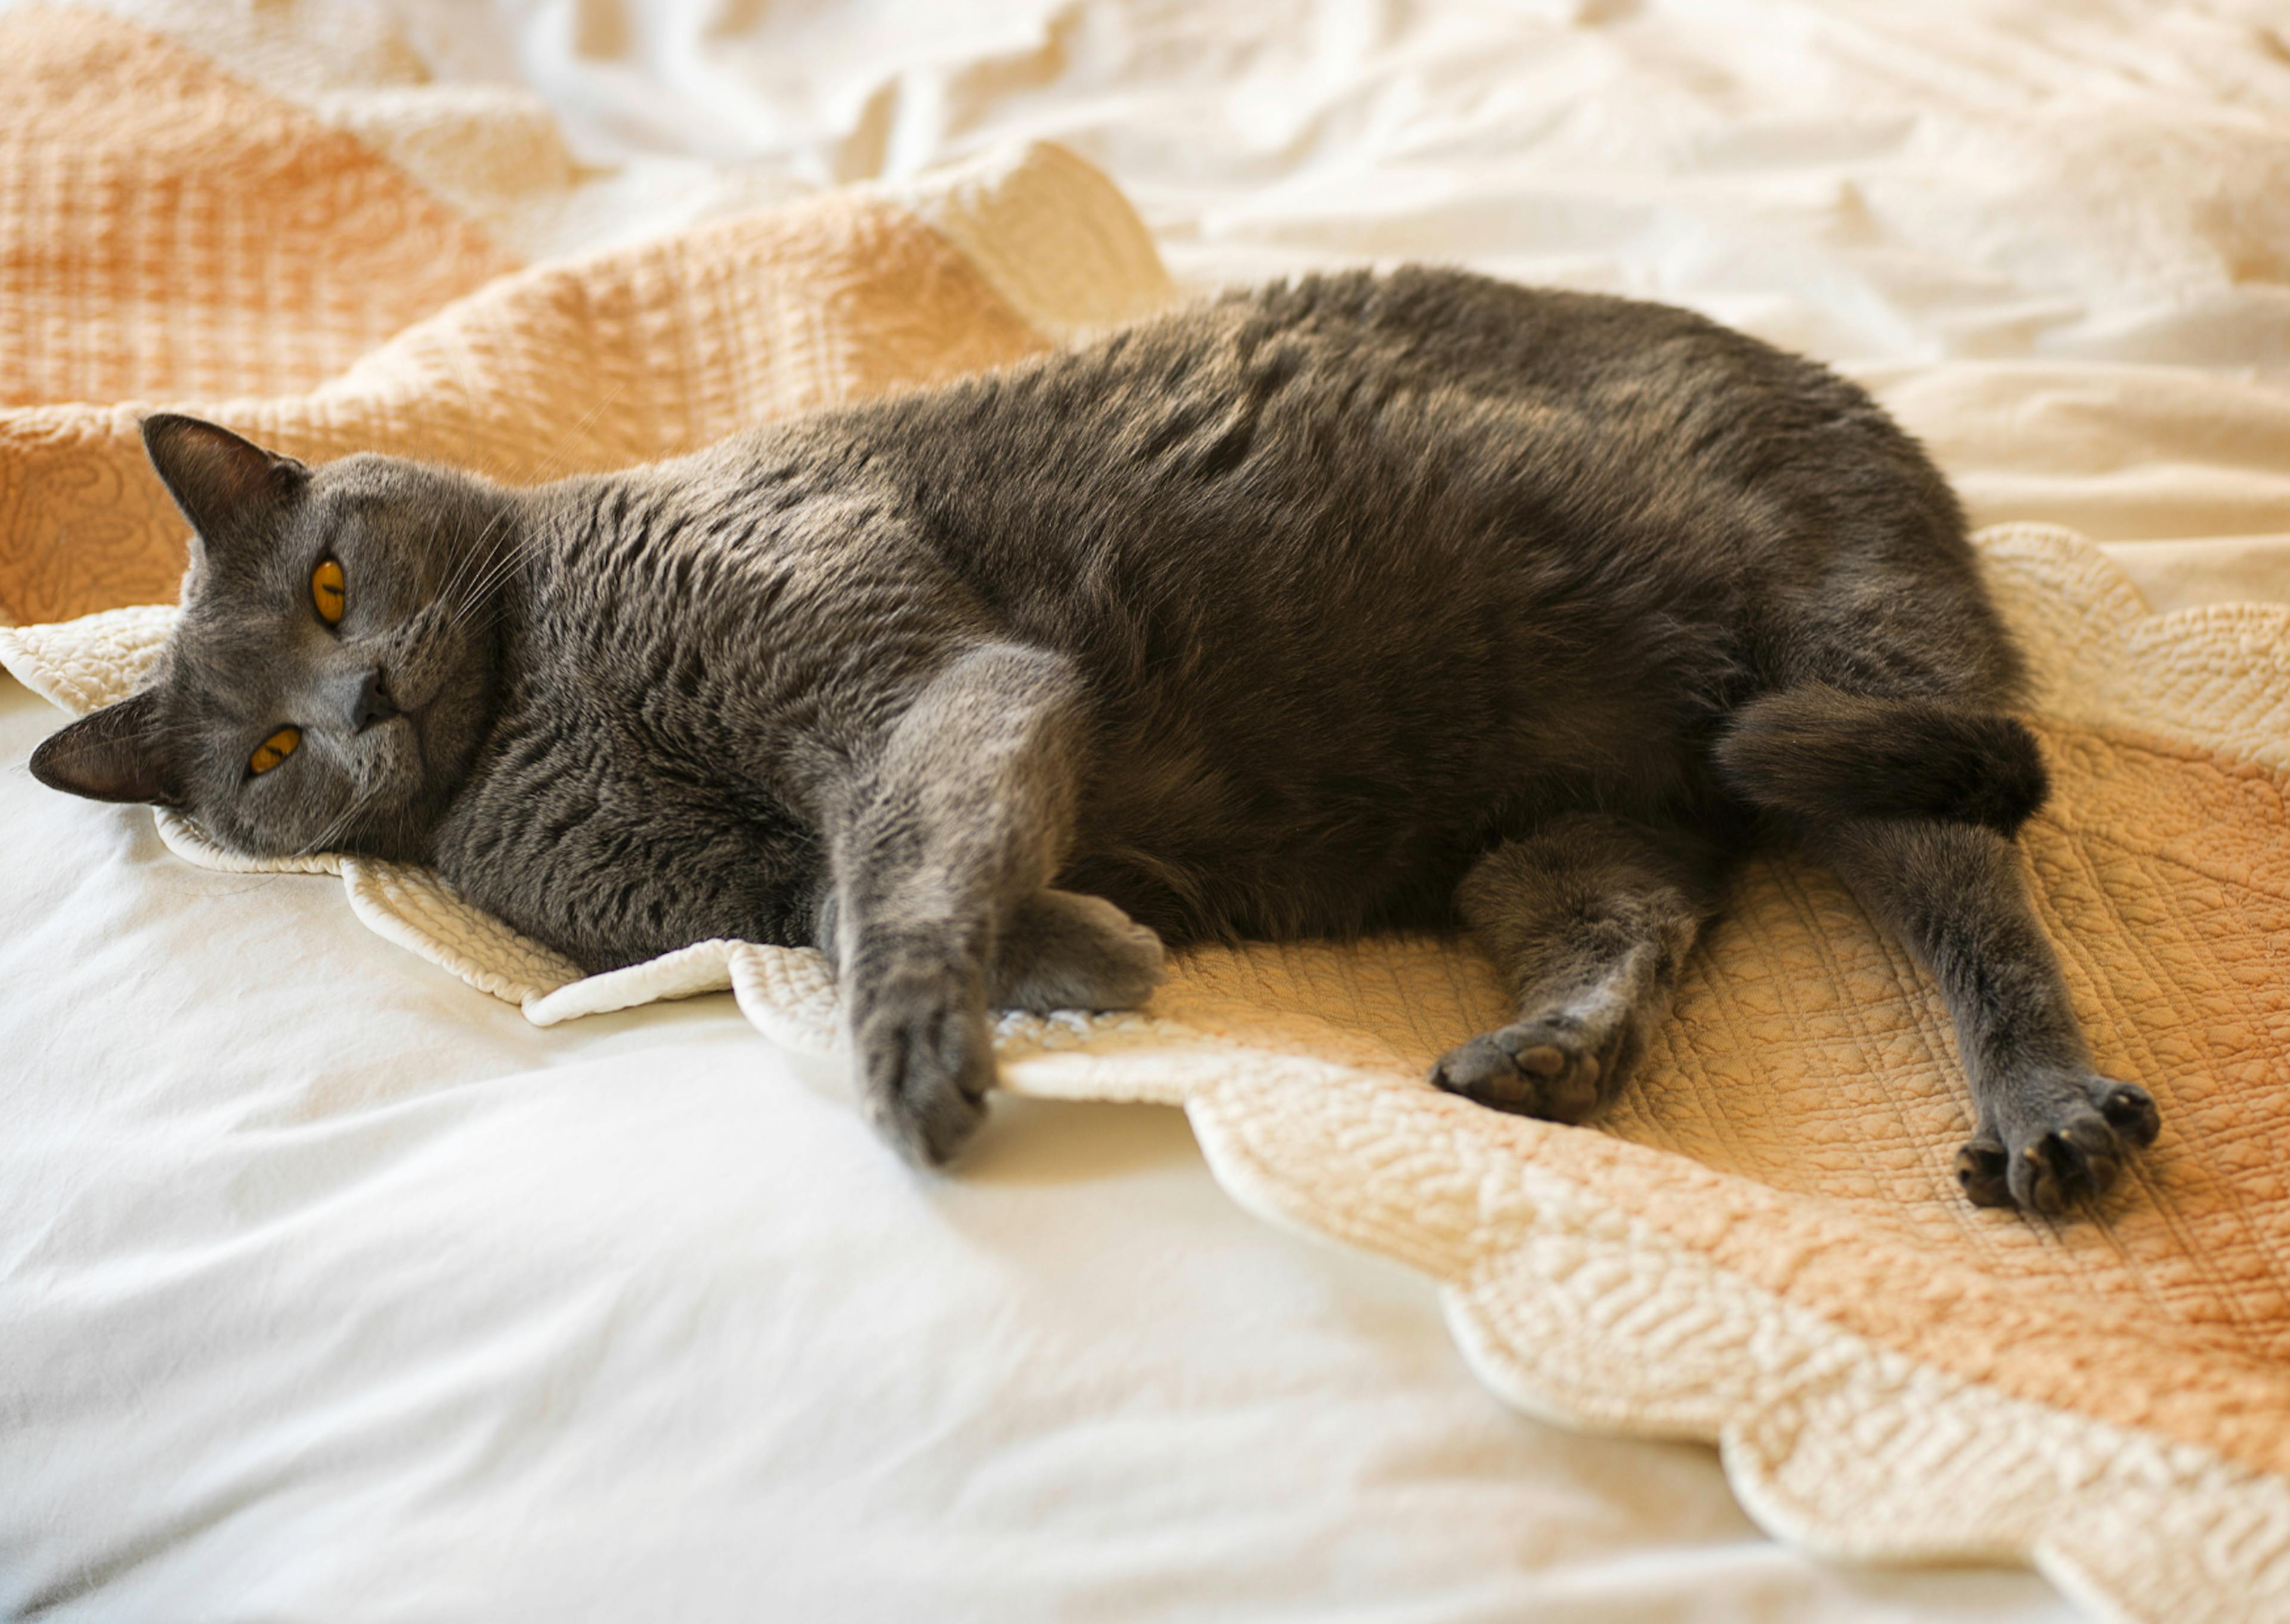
(1203, 854)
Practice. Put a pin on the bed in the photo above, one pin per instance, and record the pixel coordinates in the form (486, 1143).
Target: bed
(334, 1291)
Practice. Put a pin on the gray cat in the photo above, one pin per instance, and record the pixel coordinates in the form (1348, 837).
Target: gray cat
(1356, 603)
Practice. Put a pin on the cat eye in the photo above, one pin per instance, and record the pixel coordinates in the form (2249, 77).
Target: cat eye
(326, 592)
(280, 745)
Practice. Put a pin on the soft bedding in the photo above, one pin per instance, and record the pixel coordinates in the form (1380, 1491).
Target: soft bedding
(334, 1296)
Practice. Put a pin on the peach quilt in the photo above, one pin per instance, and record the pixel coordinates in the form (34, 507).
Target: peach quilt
(1762, 1245)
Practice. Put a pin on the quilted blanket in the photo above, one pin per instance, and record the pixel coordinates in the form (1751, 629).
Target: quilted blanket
(1762, 1245)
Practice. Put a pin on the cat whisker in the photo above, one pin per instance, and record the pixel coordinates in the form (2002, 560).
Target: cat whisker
(484, 583)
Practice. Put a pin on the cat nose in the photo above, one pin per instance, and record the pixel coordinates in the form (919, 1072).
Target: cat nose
(370, 703)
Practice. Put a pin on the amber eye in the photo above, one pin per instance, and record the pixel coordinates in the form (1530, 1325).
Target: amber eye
(274, 749)
(327, 593)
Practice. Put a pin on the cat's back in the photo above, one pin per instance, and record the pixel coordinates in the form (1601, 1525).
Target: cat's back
(1377, 478)
(1411, 355)
(1309, 422)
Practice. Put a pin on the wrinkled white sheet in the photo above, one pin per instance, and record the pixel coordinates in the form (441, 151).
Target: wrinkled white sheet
(364, 1299)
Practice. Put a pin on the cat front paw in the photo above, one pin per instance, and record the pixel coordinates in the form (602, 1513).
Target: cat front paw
(2057, 1140)
(926, 1061)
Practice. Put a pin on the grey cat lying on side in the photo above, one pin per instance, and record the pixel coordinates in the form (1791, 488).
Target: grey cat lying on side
(1356, 603)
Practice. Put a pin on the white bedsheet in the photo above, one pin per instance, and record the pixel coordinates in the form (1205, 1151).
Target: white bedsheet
(364, 1299)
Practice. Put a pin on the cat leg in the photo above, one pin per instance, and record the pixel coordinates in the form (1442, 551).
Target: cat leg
(1588, 919)
(1061, 950)
(961, 817)
(2049, 1128)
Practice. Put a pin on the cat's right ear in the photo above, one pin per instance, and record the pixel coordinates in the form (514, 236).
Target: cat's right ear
(229, 488)
(116, 754)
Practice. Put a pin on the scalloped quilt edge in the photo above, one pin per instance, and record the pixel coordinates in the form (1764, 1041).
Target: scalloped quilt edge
(2129, 1525)
(1833, 1443)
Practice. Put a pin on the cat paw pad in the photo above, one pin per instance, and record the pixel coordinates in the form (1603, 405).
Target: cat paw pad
(2058, 1145)
(1553, 1069)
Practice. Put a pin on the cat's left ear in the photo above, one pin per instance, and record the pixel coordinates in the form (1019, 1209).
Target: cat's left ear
(120, 753)
(229, 488)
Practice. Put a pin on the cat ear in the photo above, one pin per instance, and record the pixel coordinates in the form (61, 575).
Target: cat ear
(228, 487)
(116, 754)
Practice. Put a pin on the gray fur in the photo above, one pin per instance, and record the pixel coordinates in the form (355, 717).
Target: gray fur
(1341, 605)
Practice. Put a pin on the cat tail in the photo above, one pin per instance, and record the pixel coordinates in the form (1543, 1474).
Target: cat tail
(1817, 752)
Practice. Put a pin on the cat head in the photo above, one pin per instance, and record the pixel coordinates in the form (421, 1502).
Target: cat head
(329, 677)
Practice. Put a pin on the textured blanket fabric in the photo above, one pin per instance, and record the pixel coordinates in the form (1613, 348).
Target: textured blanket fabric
(1762, 1245)
(170, 228)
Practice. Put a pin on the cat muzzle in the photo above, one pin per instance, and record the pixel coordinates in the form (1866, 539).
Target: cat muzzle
(370, 702)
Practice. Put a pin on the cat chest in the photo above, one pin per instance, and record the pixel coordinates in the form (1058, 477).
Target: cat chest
(591, 821)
